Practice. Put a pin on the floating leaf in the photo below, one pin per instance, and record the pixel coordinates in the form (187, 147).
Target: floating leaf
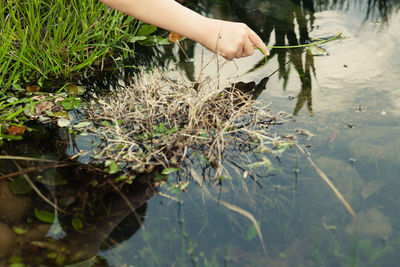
(77, 223)
(45, 216)
(173, 37)
(16, 130)
(72, 90)
(60, 114)
(316, 51)
(61, 122)
(20, 186)
(67, 105)
(70, 104)
(83, 124)
(169, 171)
(33, 88)
(43, 106)
(19, 230)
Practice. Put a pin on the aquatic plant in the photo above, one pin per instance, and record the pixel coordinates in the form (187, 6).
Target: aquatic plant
(163, 121)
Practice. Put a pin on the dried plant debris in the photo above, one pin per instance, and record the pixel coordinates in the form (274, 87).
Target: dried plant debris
(160, 121)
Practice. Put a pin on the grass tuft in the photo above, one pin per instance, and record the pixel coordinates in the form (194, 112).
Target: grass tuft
(46, 39)
(161, 121)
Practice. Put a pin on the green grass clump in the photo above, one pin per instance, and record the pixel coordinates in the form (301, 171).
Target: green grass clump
(46, 39)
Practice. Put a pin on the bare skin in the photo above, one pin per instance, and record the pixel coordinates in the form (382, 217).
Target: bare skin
(229, 39)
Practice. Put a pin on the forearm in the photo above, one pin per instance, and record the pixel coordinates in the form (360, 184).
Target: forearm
(229, 39)
(166, 14)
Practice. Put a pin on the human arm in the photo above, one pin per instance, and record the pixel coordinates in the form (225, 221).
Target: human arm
(229, 39)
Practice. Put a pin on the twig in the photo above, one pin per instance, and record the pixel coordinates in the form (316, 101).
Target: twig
(34, 169)
(29, 181)
(330, 184)
(249, 216)
(128, 203)
(26, 158)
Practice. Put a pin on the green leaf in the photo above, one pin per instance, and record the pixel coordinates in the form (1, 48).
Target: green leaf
(15, 261)
(19, 230)
(45, 216)
(77, 223)
(112, 166)
(20, 186)
(146, 30)
(67, 105)
(251, 232)
(169, 171)
(121, 178)
(10, 137)
(83, 124)
(154, 40)
(70, 104)
(105, 123)
(137, 38)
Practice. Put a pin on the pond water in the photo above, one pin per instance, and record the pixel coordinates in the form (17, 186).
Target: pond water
(347, 98)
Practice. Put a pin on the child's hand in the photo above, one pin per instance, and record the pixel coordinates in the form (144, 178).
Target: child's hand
(230, 39)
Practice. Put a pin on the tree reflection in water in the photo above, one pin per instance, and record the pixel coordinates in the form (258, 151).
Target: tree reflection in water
(291, 22)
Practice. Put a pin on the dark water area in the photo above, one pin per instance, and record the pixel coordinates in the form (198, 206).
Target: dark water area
(347, 98)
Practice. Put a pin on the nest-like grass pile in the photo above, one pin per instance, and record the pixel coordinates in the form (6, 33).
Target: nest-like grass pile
(159, 121)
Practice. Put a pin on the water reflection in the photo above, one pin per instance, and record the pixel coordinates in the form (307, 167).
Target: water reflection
(93, 213)
(107, 216)
(292, 22)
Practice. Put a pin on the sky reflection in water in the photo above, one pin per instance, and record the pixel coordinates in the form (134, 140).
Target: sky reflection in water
(350, 94)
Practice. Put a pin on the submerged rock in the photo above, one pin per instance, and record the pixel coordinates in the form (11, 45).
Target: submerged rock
(12, 207)
(6, 240)
(379, 144)
(370, 223)
(343, 176)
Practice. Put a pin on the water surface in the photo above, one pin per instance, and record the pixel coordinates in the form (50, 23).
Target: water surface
(348, 99)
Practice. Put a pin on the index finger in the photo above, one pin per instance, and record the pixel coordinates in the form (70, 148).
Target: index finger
(256, 40)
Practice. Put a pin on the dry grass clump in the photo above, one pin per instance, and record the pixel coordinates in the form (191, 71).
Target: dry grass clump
(159, 121)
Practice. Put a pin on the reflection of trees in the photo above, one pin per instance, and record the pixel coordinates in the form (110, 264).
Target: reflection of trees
(375, 9)
(290, 22)
(282, 18)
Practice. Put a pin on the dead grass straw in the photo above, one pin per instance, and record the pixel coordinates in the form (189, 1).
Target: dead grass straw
(329, 183)
(162, 120)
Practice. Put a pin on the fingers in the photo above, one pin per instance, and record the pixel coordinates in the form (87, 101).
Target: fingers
(236, 40)
(256, 40)
(248, 49)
